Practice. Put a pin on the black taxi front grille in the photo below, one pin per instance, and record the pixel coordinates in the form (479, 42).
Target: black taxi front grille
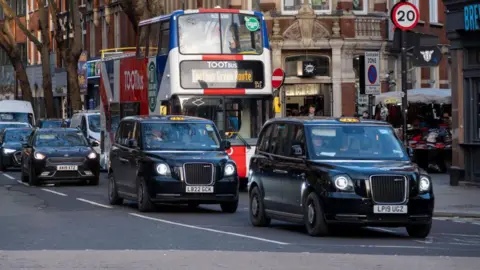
(198, 173)
(389, 188)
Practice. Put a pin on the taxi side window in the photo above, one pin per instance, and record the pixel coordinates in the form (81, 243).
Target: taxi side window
(118, 135)
(280, 144)
(265, 139)
(298, 139)
(126, 132)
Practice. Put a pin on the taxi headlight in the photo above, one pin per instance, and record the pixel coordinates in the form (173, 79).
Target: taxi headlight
(8, 151)
(424, 184)
(163, 169)
(229, 170)
(39, 156)
(92, 155)
(343, 182)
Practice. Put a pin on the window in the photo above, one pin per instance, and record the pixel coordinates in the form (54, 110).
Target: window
(360, 6)
(265, 139)
(280, 144)
(212, 33)
(320, 6)
(153, 39)
(22, 48)
(299, 138)
(4, 61)
(165, 38)
(142, 40)
(433, 11)
(21, 8)
(322, 64)
(125, 133)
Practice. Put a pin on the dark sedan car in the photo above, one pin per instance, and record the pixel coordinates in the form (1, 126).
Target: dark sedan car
(59, 155)
(331, 172)
(52, 123)
(11, 140)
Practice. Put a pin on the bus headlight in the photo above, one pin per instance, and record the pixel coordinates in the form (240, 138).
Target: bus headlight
(424, 184)
(229, 170)
(163, 169)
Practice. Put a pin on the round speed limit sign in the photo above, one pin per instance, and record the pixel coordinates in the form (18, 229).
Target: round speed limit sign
(405, 15)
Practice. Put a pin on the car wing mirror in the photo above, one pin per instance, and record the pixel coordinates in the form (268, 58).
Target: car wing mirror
(226, 145)
(297, 151)
(94, 143)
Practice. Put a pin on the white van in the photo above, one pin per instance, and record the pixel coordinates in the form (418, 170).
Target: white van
(89, 123)
(17, 111)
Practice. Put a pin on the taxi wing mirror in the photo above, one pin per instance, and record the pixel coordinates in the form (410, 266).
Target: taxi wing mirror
(226, 145)
(94, 143)
(132, 143)
(297, 151)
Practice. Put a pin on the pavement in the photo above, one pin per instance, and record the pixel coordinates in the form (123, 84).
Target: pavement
(74, 227)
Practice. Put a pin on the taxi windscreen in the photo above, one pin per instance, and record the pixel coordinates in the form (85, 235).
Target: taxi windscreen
(17, 135)
(60, 139)
(354, 142)
(180, 136)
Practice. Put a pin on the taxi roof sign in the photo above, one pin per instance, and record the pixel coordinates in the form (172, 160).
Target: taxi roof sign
(177, 118)
(349, 120)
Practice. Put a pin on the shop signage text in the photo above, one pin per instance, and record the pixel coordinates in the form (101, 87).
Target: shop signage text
(471, 15)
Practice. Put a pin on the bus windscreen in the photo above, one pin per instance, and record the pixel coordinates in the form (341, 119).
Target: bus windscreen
(220, 33)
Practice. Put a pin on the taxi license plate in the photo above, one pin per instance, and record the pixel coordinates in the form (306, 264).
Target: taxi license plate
(390, 209)
(67, 168)
(199, 189)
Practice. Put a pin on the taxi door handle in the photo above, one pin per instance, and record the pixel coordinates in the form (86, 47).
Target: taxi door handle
(280, 171)
(123, 160)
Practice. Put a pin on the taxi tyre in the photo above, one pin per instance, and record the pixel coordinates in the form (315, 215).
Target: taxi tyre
(317, 226)
(419, 231)
(113, 197)
(229, 207)
(144, 203)
(258, 219)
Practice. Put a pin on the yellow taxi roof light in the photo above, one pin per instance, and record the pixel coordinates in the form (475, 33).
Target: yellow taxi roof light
(349, 120)
(177, 118)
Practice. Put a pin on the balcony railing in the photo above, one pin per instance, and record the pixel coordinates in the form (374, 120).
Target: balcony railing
(370, 27)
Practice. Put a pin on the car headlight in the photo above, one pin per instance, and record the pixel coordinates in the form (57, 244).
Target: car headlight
(39, 156)
(163, 169)
(424, 184)
(343, 182)
(8, 151)
(92, 155)
(229, 170)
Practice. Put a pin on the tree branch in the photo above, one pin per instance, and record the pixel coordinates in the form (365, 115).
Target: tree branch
(9, 13)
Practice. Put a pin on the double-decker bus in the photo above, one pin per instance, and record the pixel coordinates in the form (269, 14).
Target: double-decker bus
(210, 63)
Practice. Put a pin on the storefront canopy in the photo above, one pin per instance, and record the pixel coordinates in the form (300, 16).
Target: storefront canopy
(420, 95)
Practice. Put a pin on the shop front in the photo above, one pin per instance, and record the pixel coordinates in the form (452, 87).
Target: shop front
(300, 97)
(463, 31)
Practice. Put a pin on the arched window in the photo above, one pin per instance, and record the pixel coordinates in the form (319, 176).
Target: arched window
(322, 64)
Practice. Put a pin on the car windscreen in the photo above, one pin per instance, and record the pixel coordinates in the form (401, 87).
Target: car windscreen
(354, 142)
(60, 139)
(51, 124)
(16, 117)
(180, 136)
(17, 135)
(13, 125)
(94, 122)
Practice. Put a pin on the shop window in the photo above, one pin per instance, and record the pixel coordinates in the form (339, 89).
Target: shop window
(472, 57)
(322, 64)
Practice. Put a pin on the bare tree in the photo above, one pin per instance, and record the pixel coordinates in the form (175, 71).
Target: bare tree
(70, 50)
(8, 44)
(137, 10)
(42, 46)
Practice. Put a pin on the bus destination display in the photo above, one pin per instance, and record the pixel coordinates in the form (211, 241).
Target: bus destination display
(222, 74)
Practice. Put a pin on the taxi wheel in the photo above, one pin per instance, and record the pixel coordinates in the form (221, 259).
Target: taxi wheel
(144, 203)
(419, 231)
(113, 197)
(313, 216)
(258, 218)
(229, 207)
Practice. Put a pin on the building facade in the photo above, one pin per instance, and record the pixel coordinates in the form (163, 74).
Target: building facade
(463, 31)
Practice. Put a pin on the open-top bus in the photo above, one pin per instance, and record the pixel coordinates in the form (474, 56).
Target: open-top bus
(211, 63)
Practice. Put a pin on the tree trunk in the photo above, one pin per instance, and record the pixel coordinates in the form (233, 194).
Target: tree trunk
(72, 76)
(22, 78)
(47, 82)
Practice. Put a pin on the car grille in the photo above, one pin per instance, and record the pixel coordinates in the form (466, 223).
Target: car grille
(198, 173)
(63, 160)
(389, 188)
(17, 157)
(66, 174)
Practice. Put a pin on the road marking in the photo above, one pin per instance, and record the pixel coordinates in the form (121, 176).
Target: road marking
(463, 235)
(9, 176)
(209, 230)
(95, 203)
(23, 183)
(54, 192)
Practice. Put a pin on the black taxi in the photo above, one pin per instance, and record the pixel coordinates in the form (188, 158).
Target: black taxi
(333, 173)
(171, 159)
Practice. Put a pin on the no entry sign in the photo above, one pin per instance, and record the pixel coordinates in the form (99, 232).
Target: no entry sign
(405, 16)
(278, 77)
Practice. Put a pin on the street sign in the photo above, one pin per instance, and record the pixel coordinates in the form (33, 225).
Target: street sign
(278, 77)
(427, 56)
(405, 15)
(372, 82)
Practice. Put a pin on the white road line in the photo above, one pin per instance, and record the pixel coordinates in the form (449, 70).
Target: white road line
(9, 176)
(54, 192)
(209, 230)
(95, 203)
(23, 183)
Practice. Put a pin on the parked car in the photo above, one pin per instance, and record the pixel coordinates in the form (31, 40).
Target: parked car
(11, 140)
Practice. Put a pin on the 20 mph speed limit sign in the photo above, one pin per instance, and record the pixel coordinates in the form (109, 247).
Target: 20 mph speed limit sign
(405, 15)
